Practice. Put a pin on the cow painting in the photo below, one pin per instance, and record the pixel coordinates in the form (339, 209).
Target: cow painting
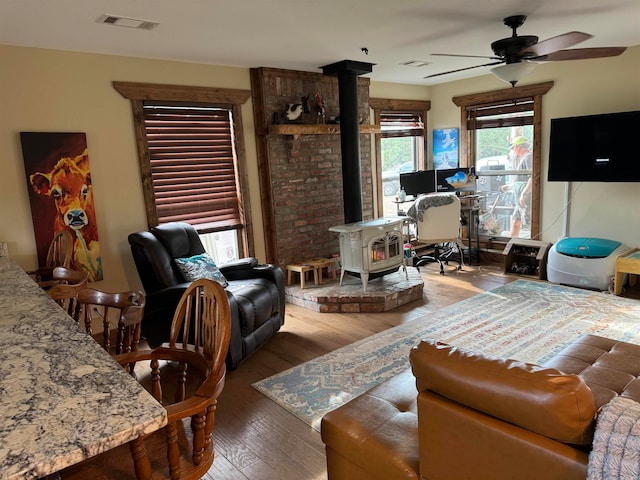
(67, 186)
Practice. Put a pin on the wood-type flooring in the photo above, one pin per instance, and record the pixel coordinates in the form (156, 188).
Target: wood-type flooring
(257, 439)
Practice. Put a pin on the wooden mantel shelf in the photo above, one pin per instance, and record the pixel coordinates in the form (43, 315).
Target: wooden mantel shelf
(315, 129)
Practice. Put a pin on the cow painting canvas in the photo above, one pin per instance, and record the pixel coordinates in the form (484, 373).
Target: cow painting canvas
(61, 195)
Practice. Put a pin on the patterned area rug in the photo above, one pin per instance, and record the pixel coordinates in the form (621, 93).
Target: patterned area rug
(525, 320)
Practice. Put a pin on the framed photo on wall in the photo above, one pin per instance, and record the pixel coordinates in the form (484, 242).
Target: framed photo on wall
(445, 148)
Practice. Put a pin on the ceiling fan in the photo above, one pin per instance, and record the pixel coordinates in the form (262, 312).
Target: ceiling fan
(518, 52)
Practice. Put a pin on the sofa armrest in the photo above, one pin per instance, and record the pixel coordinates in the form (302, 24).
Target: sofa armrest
(538, 399)
(460, 443)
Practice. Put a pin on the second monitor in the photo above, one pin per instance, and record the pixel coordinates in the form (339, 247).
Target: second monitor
(456, 180)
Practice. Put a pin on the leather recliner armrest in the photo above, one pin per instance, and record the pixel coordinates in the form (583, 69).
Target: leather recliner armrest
(242, 264)
(248, 268)
(268, 271)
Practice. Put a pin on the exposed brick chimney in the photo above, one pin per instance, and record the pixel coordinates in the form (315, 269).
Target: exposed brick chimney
(347, 72)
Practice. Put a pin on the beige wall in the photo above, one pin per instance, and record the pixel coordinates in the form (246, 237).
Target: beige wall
(53, 91)
(45, 90)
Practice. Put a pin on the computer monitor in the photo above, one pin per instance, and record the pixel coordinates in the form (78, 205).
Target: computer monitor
(456, 180)
(417, 183)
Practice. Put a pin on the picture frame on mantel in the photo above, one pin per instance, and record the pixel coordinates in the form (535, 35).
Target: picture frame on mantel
(445, 148)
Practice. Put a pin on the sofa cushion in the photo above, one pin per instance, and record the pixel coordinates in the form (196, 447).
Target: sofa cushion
(200, 266)
(375, 435)
(609, 367)
(542, 400)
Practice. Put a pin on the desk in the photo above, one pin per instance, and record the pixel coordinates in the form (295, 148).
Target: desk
(63, 397)
(628, 262)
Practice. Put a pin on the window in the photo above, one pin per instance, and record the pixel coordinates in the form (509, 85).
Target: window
(191, 171)
(492, 124)
(503, 152)
(400, 146)
(192, 162)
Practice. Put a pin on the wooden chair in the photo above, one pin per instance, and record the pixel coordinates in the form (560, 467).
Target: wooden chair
(119, 313)
(60, 250)
(59, 255)
(186, 377)
(63, 286)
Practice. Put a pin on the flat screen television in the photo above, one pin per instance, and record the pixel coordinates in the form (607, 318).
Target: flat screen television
(456, 180)
(595, 148)
(417, 183)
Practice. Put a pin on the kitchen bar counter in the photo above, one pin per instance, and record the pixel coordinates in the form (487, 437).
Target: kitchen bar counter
(62, 397)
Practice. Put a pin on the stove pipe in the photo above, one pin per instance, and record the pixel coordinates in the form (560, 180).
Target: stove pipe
(347, 72)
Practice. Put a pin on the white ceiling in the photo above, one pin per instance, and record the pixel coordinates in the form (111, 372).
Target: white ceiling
(308, 34)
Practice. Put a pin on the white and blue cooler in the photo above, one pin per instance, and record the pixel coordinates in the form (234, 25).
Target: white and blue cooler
(584, 262)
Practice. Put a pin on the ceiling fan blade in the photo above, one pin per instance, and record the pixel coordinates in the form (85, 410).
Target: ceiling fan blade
(462, 69)
(465, 56)
(582, 53)
(553, 44)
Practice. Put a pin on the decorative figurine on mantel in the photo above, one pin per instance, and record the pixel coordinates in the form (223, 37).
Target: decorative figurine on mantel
(320, 108)
(306, 106)
(293, 112)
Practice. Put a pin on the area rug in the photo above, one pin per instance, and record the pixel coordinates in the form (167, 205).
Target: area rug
(526, 320)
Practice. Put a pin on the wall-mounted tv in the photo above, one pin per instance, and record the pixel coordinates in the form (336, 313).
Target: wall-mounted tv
(417, 183)
(595, 148)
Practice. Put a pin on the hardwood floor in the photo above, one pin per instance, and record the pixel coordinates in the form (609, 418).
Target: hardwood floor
(257, 439)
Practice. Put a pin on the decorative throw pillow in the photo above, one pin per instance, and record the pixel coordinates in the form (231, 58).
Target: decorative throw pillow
(200, 266)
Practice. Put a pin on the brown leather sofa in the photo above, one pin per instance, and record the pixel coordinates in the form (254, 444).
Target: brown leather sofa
(473, 417)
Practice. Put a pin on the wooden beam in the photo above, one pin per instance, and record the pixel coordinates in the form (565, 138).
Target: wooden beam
(181, 93)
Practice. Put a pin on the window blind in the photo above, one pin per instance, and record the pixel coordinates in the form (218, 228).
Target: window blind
(192, 160)
(401, 124)
(500, 114)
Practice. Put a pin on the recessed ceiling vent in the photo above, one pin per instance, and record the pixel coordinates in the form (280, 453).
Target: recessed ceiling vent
(127, 22)
(415, 63)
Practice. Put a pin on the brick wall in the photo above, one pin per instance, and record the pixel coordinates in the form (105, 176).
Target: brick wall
(306, 170)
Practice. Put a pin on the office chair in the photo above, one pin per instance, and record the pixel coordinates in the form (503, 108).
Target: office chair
(437, 220)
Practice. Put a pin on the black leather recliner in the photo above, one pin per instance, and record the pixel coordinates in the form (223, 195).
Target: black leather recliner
(255, 291)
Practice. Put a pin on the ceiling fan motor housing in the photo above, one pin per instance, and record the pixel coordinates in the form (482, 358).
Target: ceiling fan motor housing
(511, 48)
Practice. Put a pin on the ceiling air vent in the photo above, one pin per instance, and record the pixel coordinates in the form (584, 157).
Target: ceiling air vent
(415, 63)
(127, 22)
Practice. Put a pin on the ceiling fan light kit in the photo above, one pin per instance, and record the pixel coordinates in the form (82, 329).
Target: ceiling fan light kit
(513, 72)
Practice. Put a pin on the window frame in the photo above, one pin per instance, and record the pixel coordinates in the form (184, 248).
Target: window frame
(416, 107)
(138, 93)
(467, 137)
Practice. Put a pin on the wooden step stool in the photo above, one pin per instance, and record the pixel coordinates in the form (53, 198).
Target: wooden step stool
(322, 263)
(301, 268)
(315, 265)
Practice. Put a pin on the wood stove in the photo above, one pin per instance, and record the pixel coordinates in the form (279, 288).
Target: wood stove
(371, 248)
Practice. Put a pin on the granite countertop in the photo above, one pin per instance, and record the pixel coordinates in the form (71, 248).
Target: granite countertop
(62, 397)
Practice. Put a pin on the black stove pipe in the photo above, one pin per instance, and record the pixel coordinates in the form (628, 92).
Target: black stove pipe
(347, 72)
